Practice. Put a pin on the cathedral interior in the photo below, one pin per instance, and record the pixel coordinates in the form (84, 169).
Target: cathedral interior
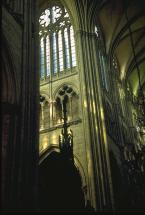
(73, 106)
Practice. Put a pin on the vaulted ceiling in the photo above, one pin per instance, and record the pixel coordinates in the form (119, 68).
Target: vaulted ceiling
(123, 25)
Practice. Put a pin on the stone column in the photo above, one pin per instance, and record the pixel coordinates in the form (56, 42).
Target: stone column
(100, 183)
(70, 97)
(27, 148)
(21, 126)
(42, 112)
(51, 112)
(61, 101)
(54, 112)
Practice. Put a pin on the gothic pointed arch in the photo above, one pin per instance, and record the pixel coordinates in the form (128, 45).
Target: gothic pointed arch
(60, 185)
(57, 44)
(66, 92)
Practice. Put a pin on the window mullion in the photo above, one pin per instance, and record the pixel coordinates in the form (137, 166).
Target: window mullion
(63, 49)
(48, 54)
(69, 43)
(45, 64)
(51, 46)
(73, 51)
(51, 55)
(42, 58)
(40, 66)
(57, 51)
(54, 50)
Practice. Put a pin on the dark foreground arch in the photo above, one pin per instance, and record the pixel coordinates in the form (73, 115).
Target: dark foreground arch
(60, 186)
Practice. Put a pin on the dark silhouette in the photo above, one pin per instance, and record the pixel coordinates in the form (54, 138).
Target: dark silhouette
(60, 186)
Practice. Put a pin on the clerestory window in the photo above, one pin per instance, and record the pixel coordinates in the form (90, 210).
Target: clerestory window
(57, 44)
(102, 59)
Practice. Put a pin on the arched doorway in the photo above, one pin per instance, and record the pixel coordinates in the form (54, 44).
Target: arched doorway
(60, 186)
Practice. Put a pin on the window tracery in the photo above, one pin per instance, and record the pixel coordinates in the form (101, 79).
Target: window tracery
(57, 44)
(67, 94)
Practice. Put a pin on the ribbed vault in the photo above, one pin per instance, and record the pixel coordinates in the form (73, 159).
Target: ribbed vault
(116, 17)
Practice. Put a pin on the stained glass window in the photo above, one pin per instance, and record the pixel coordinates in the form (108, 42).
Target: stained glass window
(57, 43)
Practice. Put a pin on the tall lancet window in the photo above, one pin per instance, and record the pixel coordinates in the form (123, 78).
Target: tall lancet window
(102, 59)
(57, 44)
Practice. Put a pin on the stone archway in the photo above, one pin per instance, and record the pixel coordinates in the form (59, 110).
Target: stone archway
(60, 186)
